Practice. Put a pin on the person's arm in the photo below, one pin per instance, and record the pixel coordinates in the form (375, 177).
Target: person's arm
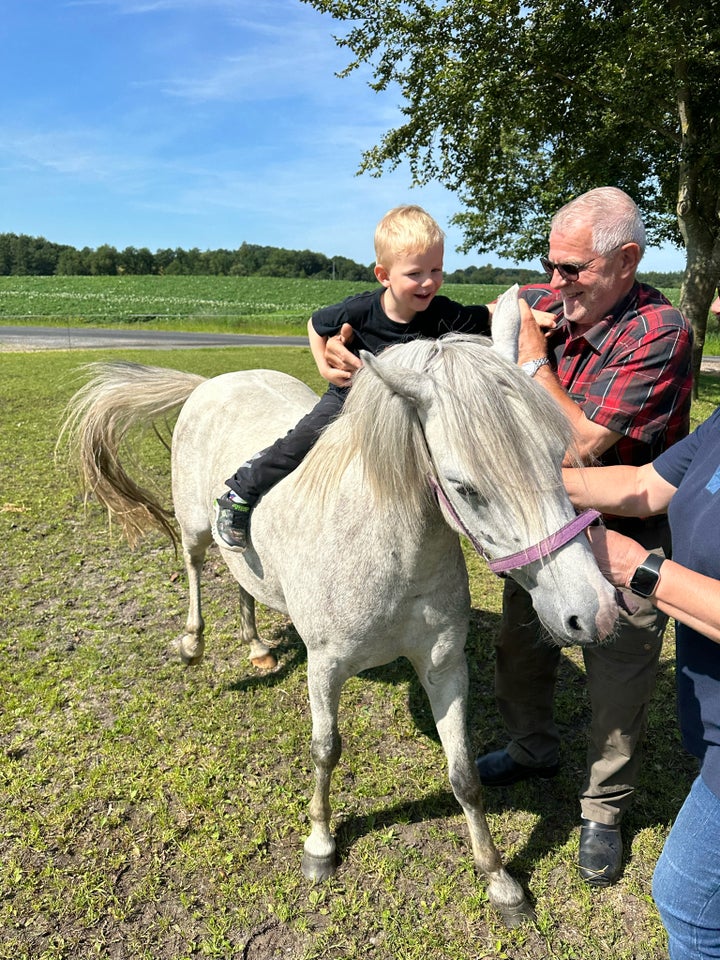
(591, 439)
(689, 597)
(621, 490)
(318, 344)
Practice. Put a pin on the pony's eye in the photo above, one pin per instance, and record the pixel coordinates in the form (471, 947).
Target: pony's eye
(469, 493)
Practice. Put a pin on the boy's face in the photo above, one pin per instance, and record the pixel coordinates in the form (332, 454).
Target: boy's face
(411, 282)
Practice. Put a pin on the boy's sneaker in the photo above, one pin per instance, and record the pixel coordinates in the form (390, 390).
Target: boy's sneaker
(232, 522)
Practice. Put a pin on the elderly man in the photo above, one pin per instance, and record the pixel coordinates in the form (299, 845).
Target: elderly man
(616, 356)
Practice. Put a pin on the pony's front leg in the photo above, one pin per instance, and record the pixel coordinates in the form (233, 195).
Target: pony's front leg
(318, 862)
(447, 686)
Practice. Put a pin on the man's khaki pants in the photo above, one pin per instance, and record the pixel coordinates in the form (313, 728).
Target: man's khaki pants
(621, 678)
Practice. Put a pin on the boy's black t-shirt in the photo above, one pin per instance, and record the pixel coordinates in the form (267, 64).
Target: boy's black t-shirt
(374, 330)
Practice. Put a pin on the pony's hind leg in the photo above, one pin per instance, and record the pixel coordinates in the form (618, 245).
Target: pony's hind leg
(446, 687)
(191, 646)
(261, 656)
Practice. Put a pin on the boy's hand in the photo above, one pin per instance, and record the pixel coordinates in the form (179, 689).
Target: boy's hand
(341, 363)
(546, 321)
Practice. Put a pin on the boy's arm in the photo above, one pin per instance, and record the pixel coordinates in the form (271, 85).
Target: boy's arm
(338, 378)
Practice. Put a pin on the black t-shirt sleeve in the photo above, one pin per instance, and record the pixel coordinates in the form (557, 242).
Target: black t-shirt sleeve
(327, 320)
(353, 310)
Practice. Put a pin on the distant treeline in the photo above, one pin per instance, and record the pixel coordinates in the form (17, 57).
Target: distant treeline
(21, 255)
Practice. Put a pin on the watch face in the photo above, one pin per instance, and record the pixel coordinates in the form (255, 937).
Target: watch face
(645, 579)
(531, 367)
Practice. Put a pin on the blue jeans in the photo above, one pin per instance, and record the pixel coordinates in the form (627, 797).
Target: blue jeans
(686, 883)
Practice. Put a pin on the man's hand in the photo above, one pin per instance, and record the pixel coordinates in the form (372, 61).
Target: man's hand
(341, 363)
(534, 328)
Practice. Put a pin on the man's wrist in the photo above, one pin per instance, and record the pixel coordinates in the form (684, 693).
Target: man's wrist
(531, 367)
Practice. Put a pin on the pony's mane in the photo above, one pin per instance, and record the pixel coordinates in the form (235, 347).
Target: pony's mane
(505, 428)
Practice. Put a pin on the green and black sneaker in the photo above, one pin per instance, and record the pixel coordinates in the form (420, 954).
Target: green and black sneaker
(232, 523)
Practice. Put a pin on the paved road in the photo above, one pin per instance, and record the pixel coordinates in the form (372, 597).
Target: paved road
(82, 338)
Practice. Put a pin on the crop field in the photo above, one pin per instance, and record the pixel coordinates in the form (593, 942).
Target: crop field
(251, 305)
(210, 304)
(205, 304)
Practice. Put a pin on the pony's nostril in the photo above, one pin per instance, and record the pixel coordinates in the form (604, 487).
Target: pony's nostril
(574, 624)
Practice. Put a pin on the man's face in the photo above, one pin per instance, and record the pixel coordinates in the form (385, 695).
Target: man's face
(600, 285)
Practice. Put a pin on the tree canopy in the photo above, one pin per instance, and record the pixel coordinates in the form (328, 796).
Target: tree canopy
(36, 256)
(518, 108)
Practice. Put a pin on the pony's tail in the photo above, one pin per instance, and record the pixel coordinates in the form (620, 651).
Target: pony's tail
(99, 419)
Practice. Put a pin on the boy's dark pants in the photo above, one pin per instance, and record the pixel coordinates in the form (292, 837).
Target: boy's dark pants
(262, 471)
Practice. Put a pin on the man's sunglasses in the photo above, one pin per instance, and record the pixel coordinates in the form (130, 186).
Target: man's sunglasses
(571, 271)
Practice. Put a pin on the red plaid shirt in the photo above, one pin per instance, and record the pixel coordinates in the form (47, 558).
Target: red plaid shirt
(631, 372)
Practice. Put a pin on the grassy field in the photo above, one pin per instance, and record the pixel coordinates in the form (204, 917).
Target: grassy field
(254, 305)
(211, 304)
(156, 812)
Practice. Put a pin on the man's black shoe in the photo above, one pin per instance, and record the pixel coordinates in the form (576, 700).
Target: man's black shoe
(498, 769)
(601, 852)
(232, 523)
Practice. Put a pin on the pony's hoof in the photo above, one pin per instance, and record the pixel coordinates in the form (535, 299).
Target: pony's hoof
(515, 916)
(190, 650)
(317, 869)
(265, 663)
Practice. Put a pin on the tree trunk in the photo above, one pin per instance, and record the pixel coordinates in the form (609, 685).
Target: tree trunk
(697, 193)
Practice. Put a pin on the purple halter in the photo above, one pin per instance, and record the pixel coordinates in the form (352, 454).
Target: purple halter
(520, 559)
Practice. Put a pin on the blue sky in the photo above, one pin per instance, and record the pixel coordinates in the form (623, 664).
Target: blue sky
(197, 123)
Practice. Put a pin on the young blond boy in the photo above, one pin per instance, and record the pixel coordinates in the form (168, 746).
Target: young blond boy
(409, 247)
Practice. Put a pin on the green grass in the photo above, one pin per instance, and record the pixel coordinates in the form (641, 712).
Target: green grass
(154, 811)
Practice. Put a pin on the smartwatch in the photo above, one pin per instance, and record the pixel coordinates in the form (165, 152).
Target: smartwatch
(531, 367)
(644, 581)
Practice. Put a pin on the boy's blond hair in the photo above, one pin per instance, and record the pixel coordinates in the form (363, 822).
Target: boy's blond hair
(405, 230)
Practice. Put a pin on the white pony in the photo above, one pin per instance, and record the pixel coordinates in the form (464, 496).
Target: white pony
(354, 546)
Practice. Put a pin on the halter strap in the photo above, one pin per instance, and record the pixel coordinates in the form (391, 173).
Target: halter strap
(523, 557)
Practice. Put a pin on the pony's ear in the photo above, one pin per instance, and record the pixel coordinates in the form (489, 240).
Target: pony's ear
(506, 324)
(410, 384)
